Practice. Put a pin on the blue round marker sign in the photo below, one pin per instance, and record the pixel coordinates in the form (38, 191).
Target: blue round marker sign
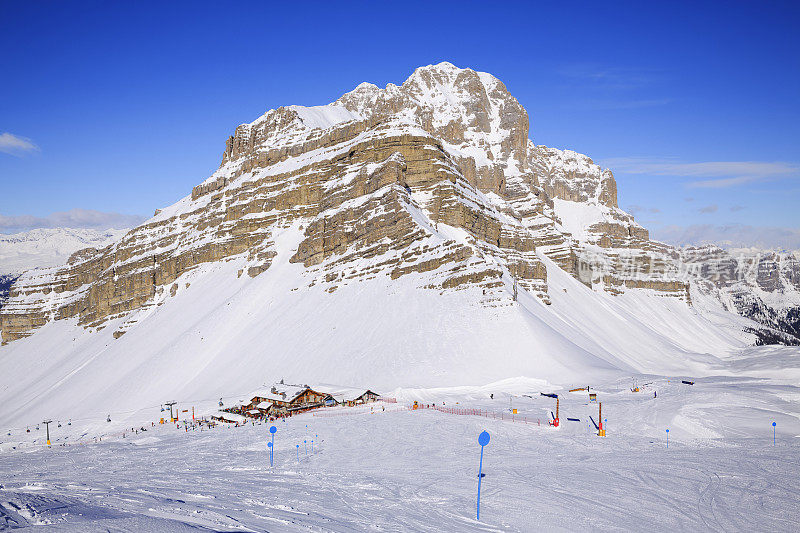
(667, 431)
(273, 429)
(483, 438)
(269, 445)
(773, 424)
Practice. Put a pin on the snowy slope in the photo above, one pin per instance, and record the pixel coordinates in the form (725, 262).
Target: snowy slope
(402, 470)
(225, 335)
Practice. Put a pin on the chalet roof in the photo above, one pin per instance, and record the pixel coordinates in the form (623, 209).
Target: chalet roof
(346, 394)
(290, 392)
(230, 417)
(269, 397)
(264, 405)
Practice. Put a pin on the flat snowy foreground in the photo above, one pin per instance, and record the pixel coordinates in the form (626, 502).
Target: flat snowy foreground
(404, 470)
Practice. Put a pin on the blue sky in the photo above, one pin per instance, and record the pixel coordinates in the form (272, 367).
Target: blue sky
(110, 109)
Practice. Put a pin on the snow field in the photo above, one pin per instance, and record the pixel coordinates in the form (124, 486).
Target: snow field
(403, 470)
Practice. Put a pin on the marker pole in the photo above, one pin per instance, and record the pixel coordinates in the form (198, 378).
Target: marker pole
(272, 431)
(483, 440)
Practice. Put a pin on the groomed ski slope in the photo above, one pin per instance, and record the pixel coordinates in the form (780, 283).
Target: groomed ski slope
(403, 470)
(227, 335)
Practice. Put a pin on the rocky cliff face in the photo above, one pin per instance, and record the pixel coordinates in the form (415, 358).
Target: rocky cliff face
(435, 179)
(761, 285)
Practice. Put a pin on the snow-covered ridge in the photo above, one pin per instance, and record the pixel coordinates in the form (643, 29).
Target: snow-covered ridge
(324, 116)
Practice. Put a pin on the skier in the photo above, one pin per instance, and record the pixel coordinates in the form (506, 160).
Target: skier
(491, 396)
(655, 394)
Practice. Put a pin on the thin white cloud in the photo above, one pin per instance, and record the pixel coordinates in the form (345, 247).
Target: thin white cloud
(611, 78)
(708, 209)
(636, 209)
(612, 104)
(604, 88)
(74, 218)
(16, 145)
(731, 236)
(719, 174)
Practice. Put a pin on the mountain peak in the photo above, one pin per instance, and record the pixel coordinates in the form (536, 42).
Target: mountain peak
(445, 67)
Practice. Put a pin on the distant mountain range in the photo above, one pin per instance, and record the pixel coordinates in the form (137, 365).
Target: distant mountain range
(48, 247)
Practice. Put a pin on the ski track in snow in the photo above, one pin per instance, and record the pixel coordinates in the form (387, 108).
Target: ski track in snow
(404, 470)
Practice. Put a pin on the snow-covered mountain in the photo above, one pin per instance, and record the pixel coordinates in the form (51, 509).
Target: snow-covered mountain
(48, 247)
(757, 284)
(411, 235)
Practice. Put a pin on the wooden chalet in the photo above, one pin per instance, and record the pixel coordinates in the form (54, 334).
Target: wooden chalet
(282, 399)
(352, 397)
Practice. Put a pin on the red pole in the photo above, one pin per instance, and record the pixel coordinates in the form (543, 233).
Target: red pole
(600, 415)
